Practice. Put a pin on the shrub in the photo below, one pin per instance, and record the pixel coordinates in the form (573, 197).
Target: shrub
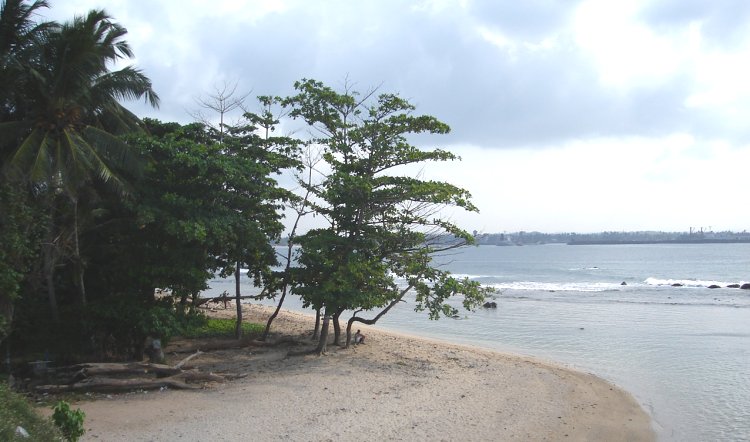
(16, 411)
(70, 422)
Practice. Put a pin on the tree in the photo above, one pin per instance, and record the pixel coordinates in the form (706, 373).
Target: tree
(252, 139)
(61, 128)
(223, 101)
(266, 155)
(301, 208)
(384, 224)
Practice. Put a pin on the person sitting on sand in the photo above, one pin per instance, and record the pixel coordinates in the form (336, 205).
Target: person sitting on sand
(359, 338)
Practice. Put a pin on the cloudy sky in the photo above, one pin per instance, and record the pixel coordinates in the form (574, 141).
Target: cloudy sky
(569, 115)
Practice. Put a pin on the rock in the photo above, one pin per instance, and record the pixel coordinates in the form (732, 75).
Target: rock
(22, 433)
(623, 283)
(154, 351)
(714, 286)
(745, 286)
(733, 286)
(491, 304)
(676, 284)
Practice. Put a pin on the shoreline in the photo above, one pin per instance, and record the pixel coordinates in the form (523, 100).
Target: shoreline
(396, 386)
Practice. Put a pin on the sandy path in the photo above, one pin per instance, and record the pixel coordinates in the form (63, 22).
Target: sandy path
(394, 387)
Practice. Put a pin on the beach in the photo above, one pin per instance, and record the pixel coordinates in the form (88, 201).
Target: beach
(392, 387)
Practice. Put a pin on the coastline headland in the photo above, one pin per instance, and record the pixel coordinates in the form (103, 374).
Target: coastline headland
(393, 387)
(584, 242)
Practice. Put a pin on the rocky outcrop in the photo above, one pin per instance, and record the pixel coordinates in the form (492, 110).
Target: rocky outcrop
(714, 286)
(733, 286)
(745, 286)
(490, 304)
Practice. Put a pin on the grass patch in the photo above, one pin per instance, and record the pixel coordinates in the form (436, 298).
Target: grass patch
(220, 328)
(16, 411)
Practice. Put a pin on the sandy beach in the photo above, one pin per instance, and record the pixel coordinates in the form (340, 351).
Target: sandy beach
(393, 387)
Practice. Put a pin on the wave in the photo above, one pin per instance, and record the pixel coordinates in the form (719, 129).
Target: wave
(557, 286)
(470, 276)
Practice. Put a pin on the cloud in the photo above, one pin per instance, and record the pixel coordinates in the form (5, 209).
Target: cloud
(502, 74)
(569, 94)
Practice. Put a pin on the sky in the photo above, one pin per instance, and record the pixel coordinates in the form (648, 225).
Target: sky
(569, 116)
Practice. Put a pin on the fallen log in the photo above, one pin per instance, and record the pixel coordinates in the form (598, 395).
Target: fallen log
(114, 384)
(193, 345)
(195, 375)
(127, 368)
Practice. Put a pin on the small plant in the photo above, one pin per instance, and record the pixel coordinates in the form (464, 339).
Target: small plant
(16, 411)
(70, 422)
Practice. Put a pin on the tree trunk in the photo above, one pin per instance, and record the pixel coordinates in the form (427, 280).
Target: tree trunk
(275, 313)
(317, 324)
(337, 327)
(323, 340)
(49, 275)
(77, 258)
(372, 321)
(238, 297)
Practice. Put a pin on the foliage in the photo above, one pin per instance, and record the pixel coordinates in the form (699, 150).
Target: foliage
(219, 328)
(69, 421)
(16, 411)
(384, 223)
(71, 110)
(200, 207)
(60, 121)
(96, 212)
(20, 231)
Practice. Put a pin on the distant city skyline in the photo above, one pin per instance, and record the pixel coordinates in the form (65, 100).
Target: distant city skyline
(579, 116)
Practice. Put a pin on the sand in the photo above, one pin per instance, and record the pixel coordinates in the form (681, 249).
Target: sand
(393, 387)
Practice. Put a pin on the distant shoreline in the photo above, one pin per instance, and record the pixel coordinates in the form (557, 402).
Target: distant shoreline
(663, 241)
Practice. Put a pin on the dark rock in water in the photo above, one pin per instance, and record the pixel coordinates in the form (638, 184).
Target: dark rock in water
(623, 283)
(745, 286)
(733, 286)
(491, 304)
(676, 284)
(714, 286)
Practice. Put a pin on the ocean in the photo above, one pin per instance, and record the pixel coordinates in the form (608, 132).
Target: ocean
(613, 310)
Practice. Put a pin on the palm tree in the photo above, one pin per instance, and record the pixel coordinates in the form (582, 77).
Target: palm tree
(72, 116)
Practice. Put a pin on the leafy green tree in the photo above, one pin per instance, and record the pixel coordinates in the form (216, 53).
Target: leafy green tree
(61, 128)
(198, 208)
(252, 140)
(266, 155)
(21, 40)
(384, 223)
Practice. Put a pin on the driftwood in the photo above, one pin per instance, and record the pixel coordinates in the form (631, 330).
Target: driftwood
(128, 368)
(200, 301)
(129, 376)
(116, 384)
(190, 346)
(226, 297)
(187, 359)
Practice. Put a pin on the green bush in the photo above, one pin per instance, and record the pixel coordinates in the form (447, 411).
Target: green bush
(70, 422)
(16, 411)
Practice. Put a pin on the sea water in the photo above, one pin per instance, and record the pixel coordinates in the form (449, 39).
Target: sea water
(682, 351)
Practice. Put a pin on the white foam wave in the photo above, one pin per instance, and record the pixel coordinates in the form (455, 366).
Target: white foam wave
(470, 276)
(557, 286)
